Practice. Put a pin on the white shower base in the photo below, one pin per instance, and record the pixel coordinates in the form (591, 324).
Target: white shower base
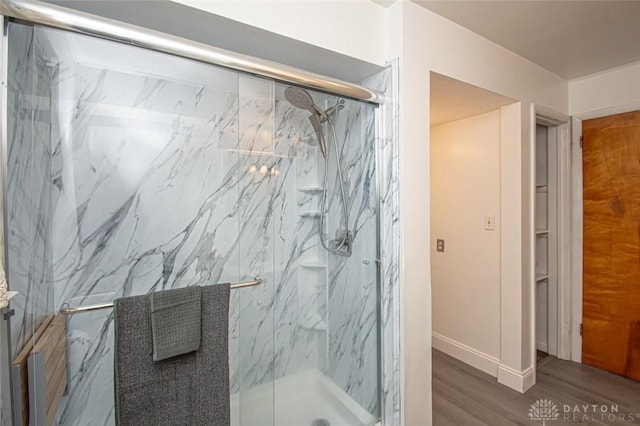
(299, 400)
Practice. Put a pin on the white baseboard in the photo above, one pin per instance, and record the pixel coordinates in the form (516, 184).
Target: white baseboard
(519, 381)
(466, 354)
(528, 379)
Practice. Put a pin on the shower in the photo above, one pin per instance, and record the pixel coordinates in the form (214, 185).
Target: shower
(300, 98)
(227, 192)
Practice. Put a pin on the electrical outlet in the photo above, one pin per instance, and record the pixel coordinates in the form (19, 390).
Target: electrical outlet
(489, 223)
(440, 245)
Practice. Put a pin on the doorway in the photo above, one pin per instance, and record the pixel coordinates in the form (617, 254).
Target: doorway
(611, 243)
(466, 220)
(552, 228)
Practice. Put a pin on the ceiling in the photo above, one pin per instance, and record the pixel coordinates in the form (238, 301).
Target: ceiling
(454, 100)
(569, 38)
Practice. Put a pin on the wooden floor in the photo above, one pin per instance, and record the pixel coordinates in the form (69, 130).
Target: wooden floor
(463, 395)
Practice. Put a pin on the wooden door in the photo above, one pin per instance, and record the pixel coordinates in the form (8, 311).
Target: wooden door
(611, 306)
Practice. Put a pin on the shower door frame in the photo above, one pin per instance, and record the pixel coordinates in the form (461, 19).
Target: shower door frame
(5, 412)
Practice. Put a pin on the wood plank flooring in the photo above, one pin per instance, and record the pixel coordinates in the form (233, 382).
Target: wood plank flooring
(463, 395)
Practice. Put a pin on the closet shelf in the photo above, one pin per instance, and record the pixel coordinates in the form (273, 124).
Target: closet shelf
(541, 277)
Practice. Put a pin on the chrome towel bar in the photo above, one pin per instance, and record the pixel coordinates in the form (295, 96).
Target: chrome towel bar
(67, 310)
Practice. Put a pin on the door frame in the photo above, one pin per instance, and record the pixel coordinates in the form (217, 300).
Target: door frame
(563, 313)
(577, 217)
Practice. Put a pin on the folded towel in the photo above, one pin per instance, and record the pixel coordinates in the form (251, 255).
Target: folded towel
(175, 322)
(189, 390)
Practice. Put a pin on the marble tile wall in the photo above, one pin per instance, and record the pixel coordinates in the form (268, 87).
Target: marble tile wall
(160, 173)
(353, 281)
(387, 140)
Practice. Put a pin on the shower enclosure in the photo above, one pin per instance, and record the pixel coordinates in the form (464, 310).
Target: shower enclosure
(129, 171)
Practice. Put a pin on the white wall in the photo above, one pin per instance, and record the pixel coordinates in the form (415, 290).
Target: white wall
(609, 92)
(465, 187)
(428, 43)
(355, 28)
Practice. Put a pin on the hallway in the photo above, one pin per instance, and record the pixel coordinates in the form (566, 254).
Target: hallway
(463, 395)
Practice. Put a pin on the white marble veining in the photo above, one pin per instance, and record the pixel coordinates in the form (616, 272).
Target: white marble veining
(165, 173)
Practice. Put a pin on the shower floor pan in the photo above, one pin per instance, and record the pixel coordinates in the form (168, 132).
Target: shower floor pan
(304, 399)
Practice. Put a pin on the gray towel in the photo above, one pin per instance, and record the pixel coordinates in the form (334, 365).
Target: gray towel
(175, 322)
(189, 390)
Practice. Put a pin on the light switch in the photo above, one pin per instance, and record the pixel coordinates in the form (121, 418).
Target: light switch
(489, 223)
(440, 245)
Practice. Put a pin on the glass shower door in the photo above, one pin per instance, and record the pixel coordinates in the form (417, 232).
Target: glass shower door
(147, 184)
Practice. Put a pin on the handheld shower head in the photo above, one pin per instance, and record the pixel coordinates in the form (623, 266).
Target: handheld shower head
(317, 127)
(300, 98)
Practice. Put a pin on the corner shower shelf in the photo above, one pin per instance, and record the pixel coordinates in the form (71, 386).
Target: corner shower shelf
(313, 322)
(309, 214)
(313, 265)
(310, 189)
